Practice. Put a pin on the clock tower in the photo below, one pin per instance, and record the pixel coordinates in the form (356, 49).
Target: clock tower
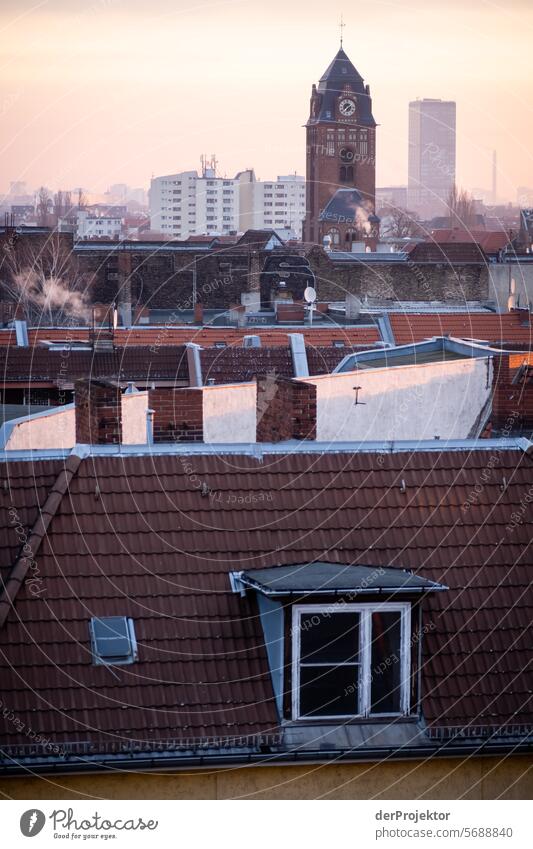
(341, 158)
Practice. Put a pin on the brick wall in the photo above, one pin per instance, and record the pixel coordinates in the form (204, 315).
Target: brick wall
(512, 403)
(98, 412)
(286, 409)
(178, 414)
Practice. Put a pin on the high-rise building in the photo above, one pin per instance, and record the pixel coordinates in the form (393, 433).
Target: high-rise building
(341, 157)
(431, 155)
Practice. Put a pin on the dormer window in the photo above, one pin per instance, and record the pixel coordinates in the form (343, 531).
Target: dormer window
(350, 660)
(339, 640)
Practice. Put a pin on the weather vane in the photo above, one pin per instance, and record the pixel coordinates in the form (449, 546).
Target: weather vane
(341, 26)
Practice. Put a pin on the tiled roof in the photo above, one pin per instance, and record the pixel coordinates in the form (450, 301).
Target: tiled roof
(448, 252)
(496, 327)
(229, 365)
(135, 536)
(490, 241)
(127, 363)
(205, 336)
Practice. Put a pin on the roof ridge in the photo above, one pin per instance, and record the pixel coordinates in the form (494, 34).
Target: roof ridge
(38, 531)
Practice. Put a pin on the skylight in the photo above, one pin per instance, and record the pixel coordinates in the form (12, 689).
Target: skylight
(113, 640)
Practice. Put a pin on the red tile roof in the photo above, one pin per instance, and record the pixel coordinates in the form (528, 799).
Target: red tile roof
(205, 336)
(493, 327)
(134, 536)
(491, 241)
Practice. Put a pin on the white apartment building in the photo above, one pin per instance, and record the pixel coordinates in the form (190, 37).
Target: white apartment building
(96, 227)
(278, 204)
(186, 204)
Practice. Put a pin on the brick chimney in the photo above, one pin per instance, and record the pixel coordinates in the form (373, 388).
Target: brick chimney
(98, 412)
(286, 409)
(178, 414)
(199, 314)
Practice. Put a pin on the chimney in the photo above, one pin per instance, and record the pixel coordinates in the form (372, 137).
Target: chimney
(194, 364)
(199, 314)
(124, 286)
(353, 306)
(178, 414)
(286, 409)
(251, 341)
(300, 367)
(98, 409)
(102, 331)
(21, 333)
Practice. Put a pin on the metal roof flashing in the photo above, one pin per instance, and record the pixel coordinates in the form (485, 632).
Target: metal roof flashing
(261, 449)
(331, 579)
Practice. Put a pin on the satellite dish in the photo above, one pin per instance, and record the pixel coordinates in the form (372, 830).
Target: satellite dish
(310, 295)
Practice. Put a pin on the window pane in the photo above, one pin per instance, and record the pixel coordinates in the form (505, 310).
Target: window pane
(386, 663)
(329, 638)
(328, 690)
(112, 637)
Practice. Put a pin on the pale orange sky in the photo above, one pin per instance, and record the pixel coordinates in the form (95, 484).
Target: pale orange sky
(95, 92)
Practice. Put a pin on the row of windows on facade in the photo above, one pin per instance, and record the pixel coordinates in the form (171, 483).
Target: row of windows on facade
(348, 663)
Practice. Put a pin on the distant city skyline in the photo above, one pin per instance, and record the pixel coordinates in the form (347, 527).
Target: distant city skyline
(107, 92)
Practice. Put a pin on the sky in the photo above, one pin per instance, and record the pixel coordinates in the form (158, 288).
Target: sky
(95, 92)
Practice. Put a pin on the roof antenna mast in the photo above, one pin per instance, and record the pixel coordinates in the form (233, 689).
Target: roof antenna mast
(341, 27)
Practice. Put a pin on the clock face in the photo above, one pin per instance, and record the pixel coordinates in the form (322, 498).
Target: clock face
(347, 107)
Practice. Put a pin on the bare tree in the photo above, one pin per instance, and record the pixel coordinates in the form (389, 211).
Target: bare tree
(82, 200)
(41, 276)
(462, 208)
(398, 223)
(44, 202)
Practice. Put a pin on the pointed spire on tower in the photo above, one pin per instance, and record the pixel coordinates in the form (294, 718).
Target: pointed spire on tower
(341, 27)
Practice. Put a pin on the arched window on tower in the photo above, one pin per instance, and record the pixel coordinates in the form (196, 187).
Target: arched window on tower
(349, 238)
(335, 236)
(346, 174)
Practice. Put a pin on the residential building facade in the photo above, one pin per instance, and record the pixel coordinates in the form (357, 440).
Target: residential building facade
(187, 204)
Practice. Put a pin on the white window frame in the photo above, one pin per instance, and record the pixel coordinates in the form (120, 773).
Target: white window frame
(365, 643)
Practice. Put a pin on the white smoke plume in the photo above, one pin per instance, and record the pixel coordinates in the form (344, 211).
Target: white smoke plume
(50, 295)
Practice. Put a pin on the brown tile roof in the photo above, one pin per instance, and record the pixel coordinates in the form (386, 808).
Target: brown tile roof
(494, 327)
(135, 536)
(130, 363)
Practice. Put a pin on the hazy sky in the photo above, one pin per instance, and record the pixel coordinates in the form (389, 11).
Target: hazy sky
(94, 92)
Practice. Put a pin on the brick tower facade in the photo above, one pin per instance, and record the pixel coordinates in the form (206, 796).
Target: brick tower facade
(341, 158)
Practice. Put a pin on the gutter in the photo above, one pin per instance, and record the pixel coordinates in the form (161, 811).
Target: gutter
(314, 756)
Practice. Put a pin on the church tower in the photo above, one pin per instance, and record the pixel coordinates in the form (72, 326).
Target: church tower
(341, 158)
